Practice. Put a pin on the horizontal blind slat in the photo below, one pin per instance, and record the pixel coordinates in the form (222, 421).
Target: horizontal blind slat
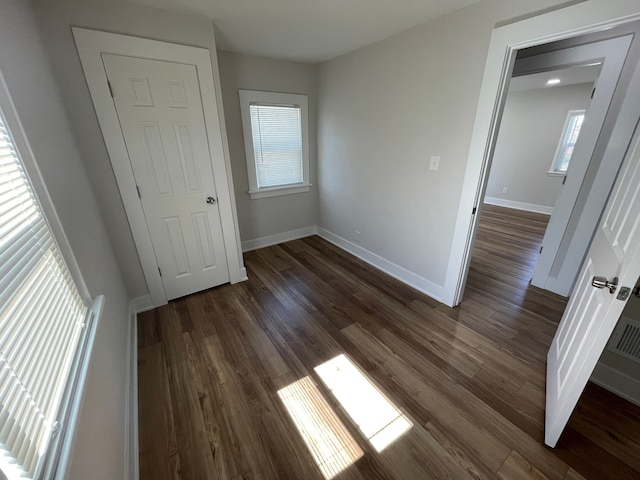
(277, 141)
(41, 315)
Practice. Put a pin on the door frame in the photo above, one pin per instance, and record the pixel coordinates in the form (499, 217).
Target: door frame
(91, 44)
(580, 19)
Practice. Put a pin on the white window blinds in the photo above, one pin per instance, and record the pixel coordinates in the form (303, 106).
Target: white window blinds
(41, 322)
(277, 144)
(568, 141)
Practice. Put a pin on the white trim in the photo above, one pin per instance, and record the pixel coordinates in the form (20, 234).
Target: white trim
(91, 44)
(131, 445)
(396, 271)
(68, 445)
(582, 18)
(617, 382)
(141, 304)
(247, 97)
(529, 207)
(280, 190)
(277, 238)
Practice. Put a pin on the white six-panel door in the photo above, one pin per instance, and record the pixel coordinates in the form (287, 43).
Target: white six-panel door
(592, 313)
(160, 111)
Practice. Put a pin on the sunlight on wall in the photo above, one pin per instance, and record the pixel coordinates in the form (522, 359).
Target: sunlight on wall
(377, 418)
(328, 440)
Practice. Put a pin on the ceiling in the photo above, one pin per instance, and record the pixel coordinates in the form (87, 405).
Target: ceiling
(308, 30)
(568, 76)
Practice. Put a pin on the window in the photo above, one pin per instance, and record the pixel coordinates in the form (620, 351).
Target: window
(276, 139)
(43, 324)
(568, 140)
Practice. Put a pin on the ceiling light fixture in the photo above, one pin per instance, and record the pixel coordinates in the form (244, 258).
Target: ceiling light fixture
(553, 81)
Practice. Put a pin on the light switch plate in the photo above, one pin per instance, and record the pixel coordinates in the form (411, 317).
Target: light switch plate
(435, 162)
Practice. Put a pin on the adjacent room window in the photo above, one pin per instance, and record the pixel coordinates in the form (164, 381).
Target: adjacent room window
(276, 139)
(43, 326)
(570, 133)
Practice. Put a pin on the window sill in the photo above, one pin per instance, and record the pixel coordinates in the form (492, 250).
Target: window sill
(277, 191)
(551, 173)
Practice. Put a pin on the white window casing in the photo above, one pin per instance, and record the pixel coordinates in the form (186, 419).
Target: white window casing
(47, 320)
(276, 139)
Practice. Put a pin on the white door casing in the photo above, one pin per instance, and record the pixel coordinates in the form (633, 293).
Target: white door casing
(593, 313)
(586, 17)
(91, 45)
(160, 111)
(612, 53)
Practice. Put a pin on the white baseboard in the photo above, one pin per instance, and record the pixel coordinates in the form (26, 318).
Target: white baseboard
(529, 207)
(262, 242)
(617, 382)
(131, 452)
(396, 271)
(141, 304)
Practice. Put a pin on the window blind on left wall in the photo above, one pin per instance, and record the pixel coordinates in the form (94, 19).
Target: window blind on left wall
(42, 317)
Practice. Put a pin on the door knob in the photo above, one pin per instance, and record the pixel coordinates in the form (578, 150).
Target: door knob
(211, 200)
(602, 282)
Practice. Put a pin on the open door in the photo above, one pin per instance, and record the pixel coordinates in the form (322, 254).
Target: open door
(610, 270)
(580, 202)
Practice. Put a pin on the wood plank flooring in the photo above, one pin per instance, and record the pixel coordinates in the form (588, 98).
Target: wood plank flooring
(470, 380)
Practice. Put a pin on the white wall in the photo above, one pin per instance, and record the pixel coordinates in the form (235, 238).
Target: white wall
(267, 216)
(56, 18)
(383, 111)
(99, 452)
(530, 130)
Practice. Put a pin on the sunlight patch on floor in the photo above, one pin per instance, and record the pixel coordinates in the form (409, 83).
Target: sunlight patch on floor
(377, 418)
(326, 437)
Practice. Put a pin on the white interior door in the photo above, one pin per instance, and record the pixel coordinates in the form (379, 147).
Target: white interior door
(160, 112)
(565, 242)
(592, 313)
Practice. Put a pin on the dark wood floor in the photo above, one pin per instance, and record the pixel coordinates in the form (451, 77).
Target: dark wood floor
(470, 380)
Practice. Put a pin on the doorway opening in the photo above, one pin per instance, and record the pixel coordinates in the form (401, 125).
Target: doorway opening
(598, 166)
(549, 86)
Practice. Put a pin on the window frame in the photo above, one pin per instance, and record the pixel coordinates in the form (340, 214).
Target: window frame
(58, 455)
(553, 169)
(248, 97)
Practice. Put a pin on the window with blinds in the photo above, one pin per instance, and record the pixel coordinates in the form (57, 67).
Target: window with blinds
(568, 141)
(275, 127)
(277, 144)
(42, 319)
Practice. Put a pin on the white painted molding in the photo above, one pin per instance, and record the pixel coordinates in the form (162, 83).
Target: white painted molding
(243, 276)
(529, 207)
(141, 304)
(269, 240)
(396, 271)
(131, 445)
(91, 44)
(617, 382)
(584, 17)
(69, 440)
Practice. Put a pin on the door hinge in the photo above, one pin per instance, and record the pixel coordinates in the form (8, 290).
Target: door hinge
(593, 92)
(159, 271)
(138, 190)
(473, 212)
(540, 250)
(110, 89)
